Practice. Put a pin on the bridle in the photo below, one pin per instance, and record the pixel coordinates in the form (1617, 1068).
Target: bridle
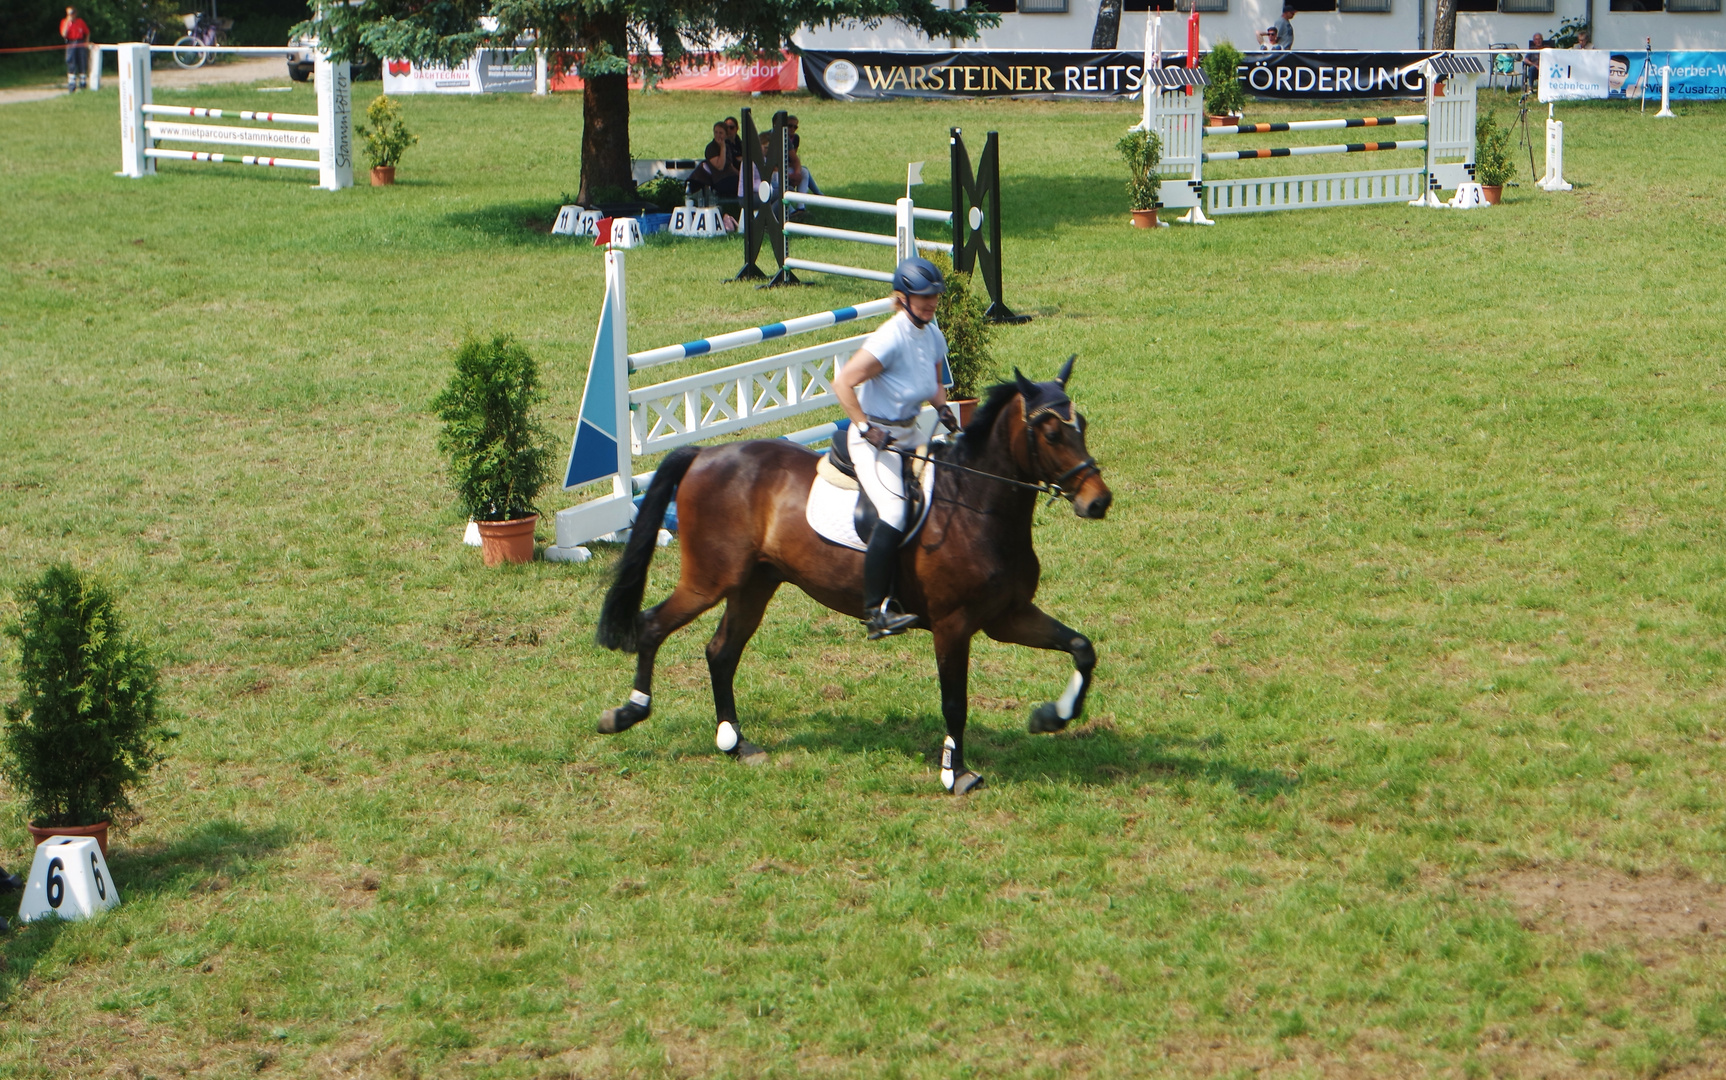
(1057, 486)
(1054, 489)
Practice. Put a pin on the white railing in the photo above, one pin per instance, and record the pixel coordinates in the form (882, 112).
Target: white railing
(331, 139)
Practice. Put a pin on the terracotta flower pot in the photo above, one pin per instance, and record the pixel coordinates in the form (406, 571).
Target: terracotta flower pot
(1222, 121)
(98, 830)
(1144, 219)
(383, 175)
(1492, 192)
(963, 408)
(507, 541)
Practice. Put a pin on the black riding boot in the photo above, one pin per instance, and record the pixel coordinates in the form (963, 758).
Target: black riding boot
(880, 564)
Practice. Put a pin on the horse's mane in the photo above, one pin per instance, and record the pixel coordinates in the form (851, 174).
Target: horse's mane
(976, 433)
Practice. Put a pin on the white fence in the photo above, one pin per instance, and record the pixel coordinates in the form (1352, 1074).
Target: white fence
(330, 139)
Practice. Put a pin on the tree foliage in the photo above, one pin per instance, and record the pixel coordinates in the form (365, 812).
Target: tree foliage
(87, 726)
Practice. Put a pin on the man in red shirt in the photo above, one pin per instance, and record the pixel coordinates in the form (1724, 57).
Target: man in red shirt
(76, 33)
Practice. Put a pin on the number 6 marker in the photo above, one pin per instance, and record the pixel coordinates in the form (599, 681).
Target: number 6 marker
(69, 879)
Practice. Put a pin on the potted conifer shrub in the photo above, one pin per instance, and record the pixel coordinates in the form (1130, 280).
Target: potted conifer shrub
(1224, 99)
(1143, 152)
(1493, 163)
(88, 726)
(964, 322)
(386, 138)
(499, 457)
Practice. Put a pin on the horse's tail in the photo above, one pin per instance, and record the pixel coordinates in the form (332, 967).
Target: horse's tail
(620, 617)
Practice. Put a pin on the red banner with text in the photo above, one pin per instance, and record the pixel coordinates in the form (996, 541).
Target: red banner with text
(712, 71)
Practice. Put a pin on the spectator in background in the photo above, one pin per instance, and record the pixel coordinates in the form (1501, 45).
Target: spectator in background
(75, 32)
(1280, 36)
(731, 133)
(718, 170)
(1531, 60)
(801, 178)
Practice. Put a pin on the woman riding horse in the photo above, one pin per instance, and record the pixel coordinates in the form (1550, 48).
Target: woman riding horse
(900, 366)
(743, 530)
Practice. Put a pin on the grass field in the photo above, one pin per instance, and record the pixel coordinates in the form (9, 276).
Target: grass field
(1404, 756)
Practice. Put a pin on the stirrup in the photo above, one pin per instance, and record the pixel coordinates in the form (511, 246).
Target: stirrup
(886, 622)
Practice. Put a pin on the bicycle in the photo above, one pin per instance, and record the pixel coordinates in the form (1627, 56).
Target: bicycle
(193, 50)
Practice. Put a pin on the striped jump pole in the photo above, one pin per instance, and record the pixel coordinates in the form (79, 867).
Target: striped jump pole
(232, 114)
(1315, 125)
(671, 354)
(238, 159)
(1309, 151)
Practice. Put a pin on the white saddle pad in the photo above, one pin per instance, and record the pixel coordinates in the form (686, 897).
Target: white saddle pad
(830, 509)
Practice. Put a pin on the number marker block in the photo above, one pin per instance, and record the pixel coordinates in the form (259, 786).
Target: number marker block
(68, 878)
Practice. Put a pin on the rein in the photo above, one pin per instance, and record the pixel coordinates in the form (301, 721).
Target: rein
(1054, 489)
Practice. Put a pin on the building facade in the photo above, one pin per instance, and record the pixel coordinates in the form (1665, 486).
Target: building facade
(1374, 25)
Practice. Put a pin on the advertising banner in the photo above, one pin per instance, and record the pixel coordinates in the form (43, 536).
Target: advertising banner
(1574, 74)
(713, 71)
(1695, 76)
(489, 71)
(857, 75)
(1333, 75)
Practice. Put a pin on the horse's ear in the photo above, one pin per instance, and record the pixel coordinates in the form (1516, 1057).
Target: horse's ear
(1066, 371)
(1027, 388)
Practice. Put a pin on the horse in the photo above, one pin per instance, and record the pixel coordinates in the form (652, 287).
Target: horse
(740, 511)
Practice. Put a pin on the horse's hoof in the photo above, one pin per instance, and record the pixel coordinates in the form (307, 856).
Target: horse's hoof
(1045, 719)
(622, 718)
(966, 782)
(748, 753)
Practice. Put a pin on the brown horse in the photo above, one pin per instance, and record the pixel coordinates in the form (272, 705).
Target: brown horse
(740, 511)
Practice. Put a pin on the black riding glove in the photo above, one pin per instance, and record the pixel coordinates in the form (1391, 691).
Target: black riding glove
(878, 438)
(948, 420)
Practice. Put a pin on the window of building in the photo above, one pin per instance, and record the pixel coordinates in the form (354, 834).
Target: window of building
(1042, 7)
(1693, 5)
(1526, 7)
(1364, 7)
(1312, 5)
(999, 7)
(1477, 5)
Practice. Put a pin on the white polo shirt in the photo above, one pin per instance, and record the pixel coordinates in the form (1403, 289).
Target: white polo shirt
(913, 368)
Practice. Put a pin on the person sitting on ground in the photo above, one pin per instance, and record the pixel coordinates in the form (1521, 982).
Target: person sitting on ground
(732, 135)
(882, 388)
(718, 169)
(1279, 36)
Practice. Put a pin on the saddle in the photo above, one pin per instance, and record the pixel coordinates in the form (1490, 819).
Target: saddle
(837, 469)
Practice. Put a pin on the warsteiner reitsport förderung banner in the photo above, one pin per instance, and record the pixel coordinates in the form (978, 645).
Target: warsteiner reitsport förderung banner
(863, 76)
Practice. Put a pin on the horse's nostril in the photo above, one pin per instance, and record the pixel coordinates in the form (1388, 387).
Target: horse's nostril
(1099, 506)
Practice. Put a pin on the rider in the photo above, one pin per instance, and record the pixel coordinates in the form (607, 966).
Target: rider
(882, 388)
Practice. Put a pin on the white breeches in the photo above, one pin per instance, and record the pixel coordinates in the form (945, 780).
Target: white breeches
(881, 474)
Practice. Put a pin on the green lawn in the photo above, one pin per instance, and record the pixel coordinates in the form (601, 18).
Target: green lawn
(1404, 756)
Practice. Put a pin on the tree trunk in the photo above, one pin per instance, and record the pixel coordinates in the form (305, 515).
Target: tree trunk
(1444, 25)
(1107, 32)
(605, 119)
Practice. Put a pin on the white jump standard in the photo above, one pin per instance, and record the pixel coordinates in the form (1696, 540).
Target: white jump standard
(1177, 117)
(616, 423)
(329, 140)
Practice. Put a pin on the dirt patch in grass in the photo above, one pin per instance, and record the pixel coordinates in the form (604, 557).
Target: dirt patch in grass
(1597, 905)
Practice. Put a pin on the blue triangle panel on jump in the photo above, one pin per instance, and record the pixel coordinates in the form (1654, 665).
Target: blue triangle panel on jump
(593, 456)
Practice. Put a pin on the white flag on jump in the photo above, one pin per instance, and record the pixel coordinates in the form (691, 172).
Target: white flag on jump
(913, 174)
